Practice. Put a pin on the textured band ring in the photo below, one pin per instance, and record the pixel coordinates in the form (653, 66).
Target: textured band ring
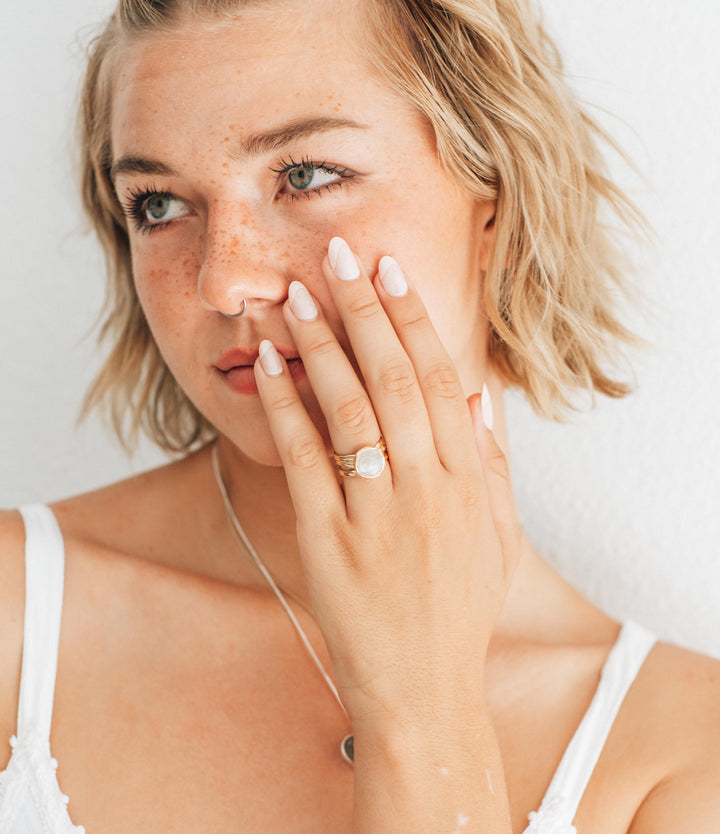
(368, 462)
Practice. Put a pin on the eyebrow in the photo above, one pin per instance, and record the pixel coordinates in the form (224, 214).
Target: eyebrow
(253, 145)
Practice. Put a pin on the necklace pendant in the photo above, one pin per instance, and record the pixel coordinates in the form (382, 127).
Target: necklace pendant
(347, 749)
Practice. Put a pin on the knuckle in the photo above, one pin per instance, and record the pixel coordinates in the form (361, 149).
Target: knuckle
(398, 379)
(414, 322)
(496, 465)
(283, 402)
(304, 453)
(321, 348)
(353, 414)
(470, 493)
(364, 308)
(442, 380)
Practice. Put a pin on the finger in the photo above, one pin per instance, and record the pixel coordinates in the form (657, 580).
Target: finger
(437, 375)
(344, 401)
(310, 475)
(387, 371)
(501, 499)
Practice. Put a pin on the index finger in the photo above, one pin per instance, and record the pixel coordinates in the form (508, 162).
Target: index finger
(311, 479)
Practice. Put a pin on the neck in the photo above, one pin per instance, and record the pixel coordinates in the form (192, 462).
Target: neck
(262, 504)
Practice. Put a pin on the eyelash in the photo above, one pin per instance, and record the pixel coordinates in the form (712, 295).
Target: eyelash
(133, 205)
(287, 165)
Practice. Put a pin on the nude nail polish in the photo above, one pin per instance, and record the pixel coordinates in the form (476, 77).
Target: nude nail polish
(270, 358)
(342, 260)
(392, 277)
(301, 302)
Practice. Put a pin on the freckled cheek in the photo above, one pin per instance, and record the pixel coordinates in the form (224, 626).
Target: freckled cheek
(166, 285)
(300, 257)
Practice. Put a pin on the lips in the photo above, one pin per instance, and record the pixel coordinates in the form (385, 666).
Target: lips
(237, 357)
(237, 367)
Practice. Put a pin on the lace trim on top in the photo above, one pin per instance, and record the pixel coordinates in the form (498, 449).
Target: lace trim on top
(31, 776)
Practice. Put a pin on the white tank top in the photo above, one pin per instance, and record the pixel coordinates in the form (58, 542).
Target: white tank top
(31, 801)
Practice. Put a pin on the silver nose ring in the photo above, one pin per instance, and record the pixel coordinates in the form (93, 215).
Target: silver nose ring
(235, 315)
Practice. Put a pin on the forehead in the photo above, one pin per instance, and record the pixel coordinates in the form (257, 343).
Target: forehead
(271, 62)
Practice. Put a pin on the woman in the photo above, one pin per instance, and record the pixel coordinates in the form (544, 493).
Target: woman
(330, 226)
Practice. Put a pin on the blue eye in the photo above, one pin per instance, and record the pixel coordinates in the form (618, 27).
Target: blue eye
(151, 210)
(162, 208)
(308, 178)
(157, 207)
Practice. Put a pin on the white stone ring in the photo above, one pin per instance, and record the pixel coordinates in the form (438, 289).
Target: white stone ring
(367, 462)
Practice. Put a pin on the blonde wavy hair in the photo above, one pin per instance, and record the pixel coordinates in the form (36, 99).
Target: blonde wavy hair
(508, 128)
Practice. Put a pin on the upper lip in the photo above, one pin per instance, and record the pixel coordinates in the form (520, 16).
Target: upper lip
(246, 356)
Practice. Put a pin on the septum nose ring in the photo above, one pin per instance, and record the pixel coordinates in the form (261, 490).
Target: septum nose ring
(235, 315)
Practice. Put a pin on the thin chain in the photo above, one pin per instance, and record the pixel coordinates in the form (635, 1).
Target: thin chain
(281, 588)
(237, 527)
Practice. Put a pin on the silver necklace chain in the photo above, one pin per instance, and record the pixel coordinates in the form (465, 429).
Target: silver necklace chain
(346, 746)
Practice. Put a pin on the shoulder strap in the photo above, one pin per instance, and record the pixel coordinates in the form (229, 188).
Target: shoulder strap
(582, 754)
(44, 584)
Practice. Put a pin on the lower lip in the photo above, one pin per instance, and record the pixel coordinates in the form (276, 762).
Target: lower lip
(242, 378)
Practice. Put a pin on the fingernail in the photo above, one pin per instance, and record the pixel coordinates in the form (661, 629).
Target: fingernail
(487, 408)
(342, 260)
(270, 359)
(392, 277)
(301, 302)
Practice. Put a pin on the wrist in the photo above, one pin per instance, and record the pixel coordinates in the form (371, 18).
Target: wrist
(435, 734)
(419, 775)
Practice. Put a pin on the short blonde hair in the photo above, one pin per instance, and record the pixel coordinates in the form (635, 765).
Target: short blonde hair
(508, 128)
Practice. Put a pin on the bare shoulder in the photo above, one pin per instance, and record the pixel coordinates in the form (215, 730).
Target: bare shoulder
(677, 706)
(12, 606)
(130, 516)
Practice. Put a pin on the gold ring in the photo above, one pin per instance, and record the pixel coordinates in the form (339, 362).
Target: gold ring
(368, 462)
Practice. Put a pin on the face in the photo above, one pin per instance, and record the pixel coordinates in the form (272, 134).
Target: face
(240, 150)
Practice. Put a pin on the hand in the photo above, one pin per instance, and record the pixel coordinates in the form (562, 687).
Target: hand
(407, 573)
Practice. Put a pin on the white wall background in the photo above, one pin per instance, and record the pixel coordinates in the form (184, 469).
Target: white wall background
(625, 501)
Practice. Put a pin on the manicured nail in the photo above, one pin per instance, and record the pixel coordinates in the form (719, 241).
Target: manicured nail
(342, 260)
(487, 408)
(301, 302)
(270, 359)
(392, 277)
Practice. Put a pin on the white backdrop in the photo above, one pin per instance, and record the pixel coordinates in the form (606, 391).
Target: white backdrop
(625, 501)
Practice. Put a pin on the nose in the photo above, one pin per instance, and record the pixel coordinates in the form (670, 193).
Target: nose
(240, 267)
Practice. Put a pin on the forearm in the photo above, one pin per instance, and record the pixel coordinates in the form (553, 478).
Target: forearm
(439, 779)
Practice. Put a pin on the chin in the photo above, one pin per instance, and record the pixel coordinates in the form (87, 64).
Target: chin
(257, 447)
(250, 436)
(260, 450)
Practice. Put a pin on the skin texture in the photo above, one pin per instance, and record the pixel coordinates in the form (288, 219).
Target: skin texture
(184, 700)
(241, 239)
